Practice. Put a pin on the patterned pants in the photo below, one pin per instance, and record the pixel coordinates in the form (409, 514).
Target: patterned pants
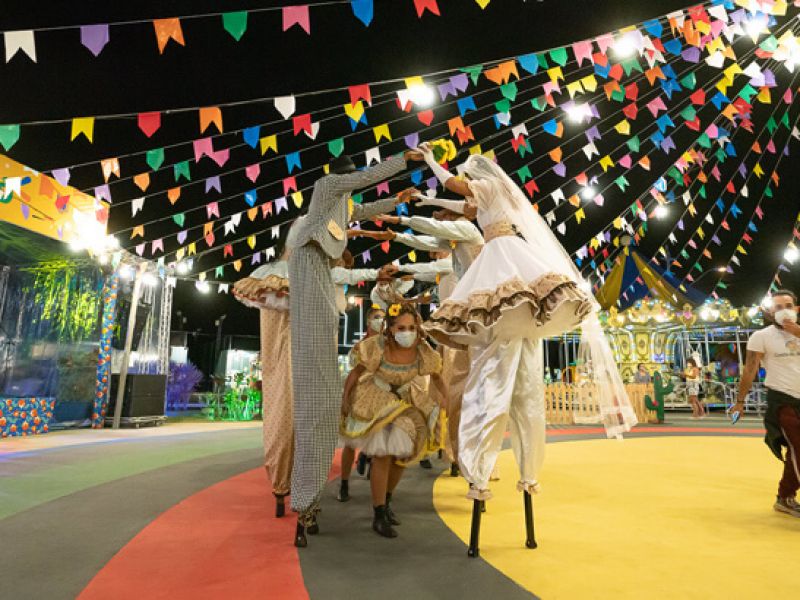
(276, 391)
(315, 374)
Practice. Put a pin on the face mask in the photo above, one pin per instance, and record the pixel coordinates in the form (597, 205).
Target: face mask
(785, 314)
(375, 324)
(405, 339)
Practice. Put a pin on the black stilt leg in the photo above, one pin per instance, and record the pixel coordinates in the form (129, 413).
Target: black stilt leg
(530, 542)
(483, 506)
(475, 532)
(300, 540)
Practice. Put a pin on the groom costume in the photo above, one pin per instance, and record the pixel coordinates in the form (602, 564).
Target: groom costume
(320, 237)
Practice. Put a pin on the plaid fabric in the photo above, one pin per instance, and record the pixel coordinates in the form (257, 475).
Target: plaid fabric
(315, 373)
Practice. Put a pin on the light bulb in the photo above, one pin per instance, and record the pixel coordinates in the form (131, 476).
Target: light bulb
(661, 211)
(588, 193)
(624, 46)
(202, 287)
(182, 268)
(791, 254)
(578, 112)
(766, 302)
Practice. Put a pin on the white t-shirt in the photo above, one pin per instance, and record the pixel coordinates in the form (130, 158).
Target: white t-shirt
(781, 358)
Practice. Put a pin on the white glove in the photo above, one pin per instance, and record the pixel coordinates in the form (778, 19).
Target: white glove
(441, 173)
(456, 206)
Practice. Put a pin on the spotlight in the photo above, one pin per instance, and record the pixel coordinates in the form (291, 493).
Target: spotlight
(578, 112)
(754, 27)
(766, 302)
(624, 46)
(202, 287)
(791, 254)
(351, 299)
(721, 269)
(661, 211)
(588, 193)
(182, 268)
(127, 272)
(422, 95)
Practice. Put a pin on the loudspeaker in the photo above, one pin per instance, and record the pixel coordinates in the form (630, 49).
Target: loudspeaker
(145, 395)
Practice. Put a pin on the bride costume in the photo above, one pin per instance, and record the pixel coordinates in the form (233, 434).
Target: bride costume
(522, 288)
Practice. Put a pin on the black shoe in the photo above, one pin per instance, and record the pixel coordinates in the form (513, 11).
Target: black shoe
(344, 491)
(390, 516)
(381, 525)
(425, 464)
(361, 464)
(280, 507)
(300, 540)
(454, 470)
(313, 529)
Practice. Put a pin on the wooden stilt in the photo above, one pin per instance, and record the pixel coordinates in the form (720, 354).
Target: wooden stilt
(530, 542)
(475, 532)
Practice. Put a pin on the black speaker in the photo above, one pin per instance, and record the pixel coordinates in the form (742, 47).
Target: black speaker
(145, 395)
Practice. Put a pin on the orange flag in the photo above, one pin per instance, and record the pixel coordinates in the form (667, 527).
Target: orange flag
(173, 194)
(208, 115)
(142, 181)
(167, 29)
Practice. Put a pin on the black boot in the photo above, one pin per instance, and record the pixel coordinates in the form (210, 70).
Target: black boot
(454, 470)
(300, 540)
(390, 516)
(344, 491)
(280, 507)
(381, 524)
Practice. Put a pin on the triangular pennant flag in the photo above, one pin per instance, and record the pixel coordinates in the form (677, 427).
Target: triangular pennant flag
(82, 125)
(94, 37)
(149, 122)
(208, 115)
(363, 10)
(9, 135)
(423, 5)
(235, 23)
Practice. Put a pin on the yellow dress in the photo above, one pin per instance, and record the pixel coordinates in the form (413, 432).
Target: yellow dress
(393, 411)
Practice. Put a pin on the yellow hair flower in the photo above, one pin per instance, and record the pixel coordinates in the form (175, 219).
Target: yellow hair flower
(443, 150)
(375, 307)
(394, 310)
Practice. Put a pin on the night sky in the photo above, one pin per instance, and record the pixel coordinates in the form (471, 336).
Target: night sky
(130, 76)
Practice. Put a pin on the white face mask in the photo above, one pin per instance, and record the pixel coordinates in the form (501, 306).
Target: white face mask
(375, 324)
(785, 314)
(405, 339)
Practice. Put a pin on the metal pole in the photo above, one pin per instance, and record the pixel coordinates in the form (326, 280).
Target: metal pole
(126, 355)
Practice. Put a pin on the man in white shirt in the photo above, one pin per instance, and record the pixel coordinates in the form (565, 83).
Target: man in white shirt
(777, 347)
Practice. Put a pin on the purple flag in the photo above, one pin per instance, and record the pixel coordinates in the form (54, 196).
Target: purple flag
(213, 183)
(61, 176)
(412, 140)
(366, 257)
(102, 192)
(256, 260)
(460, 81)
(26, 210)
(446, 89)
(691, 54)
(182, 236)
(94, 37)
(560, 169)
(592, 134)
(281, 205)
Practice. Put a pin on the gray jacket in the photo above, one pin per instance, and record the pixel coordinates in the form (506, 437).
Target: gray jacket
(327, 218)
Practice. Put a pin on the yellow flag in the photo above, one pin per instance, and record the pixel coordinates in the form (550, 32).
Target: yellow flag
(269, 143)
(555, 74)
(589, 83)
(192, 249)
(618, 223)
(476, 149)
(138, 230)
(251, 241)
(623, 127)
(382, 131)
(574, 88)
(606, 162)
(580, 215)
(692, 209)
(83, 125)
(764, 96)
(180, 253)
(354, 111)
(237, 264)
(412, 256)
(297, 198)
(758, 170)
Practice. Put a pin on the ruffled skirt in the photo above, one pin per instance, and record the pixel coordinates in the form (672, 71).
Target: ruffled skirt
(509, 292)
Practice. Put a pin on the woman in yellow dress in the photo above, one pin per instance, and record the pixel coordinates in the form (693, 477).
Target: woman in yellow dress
(388, 409)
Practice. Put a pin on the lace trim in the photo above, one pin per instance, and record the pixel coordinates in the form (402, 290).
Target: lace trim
(498, 229)
(484, 308)
(255, 290)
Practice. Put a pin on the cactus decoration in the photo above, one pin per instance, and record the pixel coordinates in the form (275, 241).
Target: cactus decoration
(661, 391)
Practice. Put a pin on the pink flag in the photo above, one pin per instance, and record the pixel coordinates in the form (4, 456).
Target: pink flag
(297, 15)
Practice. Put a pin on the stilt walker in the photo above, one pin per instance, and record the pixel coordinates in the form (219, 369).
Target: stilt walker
(522, 288)
(314, 322)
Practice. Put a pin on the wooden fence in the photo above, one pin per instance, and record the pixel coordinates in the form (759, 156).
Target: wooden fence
(569, 404)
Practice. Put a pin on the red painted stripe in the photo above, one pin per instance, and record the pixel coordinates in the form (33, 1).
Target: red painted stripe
(222, 542)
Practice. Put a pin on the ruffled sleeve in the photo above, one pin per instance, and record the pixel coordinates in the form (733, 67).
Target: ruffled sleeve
(369, 353)
(481, 193)
(430, 360)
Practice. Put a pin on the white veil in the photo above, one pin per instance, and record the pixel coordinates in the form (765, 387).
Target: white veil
(594, 354)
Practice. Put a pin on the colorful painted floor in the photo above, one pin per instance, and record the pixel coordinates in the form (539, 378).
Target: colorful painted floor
(183, 511)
